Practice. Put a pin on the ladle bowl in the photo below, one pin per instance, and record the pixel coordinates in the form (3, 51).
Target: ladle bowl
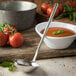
(25, 66)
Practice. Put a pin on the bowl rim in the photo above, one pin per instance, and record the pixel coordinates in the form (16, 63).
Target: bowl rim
(55, 37)
(35, 6)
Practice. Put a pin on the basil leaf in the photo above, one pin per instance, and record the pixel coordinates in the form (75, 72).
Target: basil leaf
(54, 33)
(6, 64)
(12, 68)
(68, 8)
(60, 31)
(9, 65)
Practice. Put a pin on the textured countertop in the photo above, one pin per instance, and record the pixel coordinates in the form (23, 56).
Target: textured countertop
(49, 67)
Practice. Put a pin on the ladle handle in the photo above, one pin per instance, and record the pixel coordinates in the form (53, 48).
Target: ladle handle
(46, 28)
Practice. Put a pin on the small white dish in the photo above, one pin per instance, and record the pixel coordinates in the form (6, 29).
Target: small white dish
(57, 42)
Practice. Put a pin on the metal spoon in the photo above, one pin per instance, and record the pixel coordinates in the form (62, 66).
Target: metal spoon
(29, 66)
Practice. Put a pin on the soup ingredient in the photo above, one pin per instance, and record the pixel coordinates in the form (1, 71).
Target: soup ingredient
(10, 30)
(49, 11)
(48, 7)
(44, 7)
(58, 32)
(16, 40)
(3, 39)
(9, 65)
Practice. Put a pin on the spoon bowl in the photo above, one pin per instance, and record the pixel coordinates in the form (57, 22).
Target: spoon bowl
(30, 66)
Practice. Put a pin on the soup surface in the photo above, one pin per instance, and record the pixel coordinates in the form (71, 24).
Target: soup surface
(59, 32)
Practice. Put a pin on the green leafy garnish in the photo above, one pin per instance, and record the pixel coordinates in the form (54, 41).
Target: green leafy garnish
(9, 65)
(58, 32)
(54, 33)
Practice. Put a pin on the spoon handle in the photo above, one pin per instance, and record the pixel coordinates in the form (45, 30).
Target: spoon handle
(46, 28)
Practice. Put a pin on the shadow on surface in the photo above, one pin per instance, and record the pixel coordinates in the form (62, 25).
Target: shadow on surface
(38, 72)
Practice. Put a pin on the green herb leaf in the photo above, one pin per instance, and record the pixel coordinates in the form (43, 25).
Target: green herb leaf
(6, 64)
(68, 8)
(54, 33)
(60, 32)
(12, 68)
(9, 65)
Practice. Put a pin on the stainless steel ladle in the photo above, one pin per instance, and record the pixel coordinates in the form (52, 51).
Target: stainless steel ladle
(31, 65)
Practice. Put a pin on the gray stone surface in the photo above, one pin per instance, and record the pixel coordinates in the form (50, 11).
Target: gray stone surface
(49, 67)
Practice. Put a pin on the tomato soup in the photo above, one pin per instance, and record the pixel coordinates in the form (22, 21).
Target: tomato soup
(59, 32)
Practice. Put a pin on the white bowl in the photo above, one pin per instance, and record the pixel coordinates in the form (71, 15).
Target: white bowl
(57, 42)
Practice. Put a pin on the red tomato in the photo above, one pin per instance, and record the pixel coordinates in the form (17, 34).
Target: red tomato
(9, 30)
(3, 39)
(44, 7)
(49, 11)
(16, 40)
(68, 3)
(74, 4)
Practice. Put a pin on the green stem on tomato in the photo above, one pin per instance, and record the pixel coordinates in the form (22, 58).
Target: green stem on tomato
(11, 31)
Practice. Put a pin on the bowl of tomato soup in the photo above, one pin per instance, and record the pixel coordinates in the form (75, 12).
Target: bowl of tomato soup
(59, 35)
